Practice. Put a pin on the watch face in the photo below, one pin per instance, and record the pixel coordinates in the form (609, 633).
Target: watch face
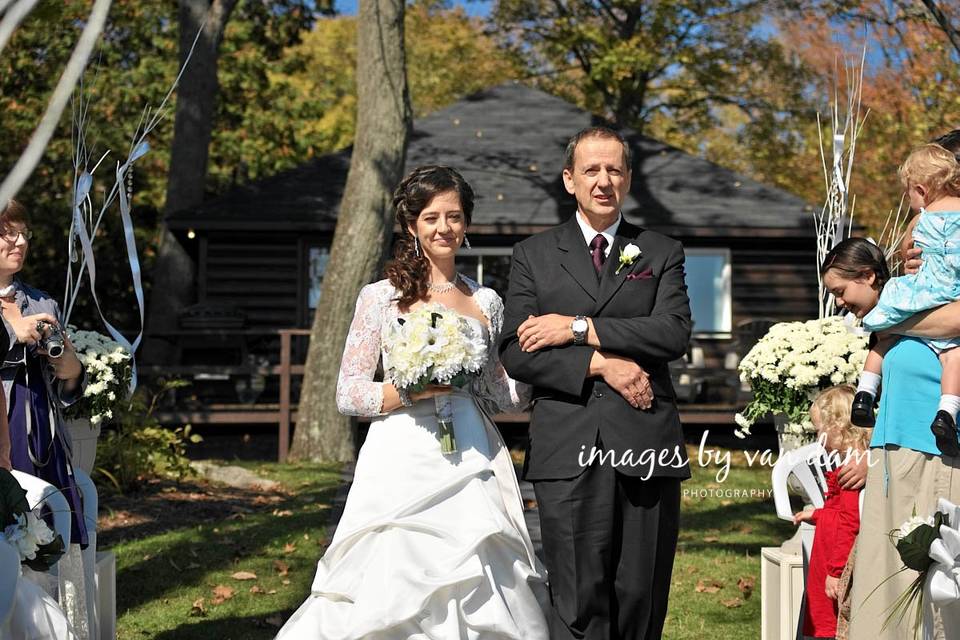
(579, 326)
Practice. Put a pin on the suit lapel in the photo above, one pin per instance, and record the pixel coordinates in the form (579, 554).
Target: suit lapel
(575, 258)
(610, 281)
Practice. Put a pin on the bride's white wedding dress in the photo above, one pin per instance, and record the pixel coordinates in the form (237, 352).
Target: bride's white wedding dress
(429, 546)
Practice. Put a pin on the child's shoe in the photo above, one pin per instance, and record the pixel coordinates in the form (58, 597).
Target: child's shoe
(945, 429)
(861, 414)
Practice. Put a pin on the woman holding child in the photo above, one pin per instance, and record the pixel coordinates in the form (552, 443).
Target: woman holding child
(909, 470)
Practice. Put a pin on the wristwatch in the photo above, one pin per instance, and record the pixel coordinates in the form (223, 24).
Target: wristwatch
(579, 327)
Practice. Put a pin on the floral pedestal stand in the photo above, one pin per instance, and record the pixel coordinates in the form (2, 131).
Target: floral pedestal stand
(83, 438)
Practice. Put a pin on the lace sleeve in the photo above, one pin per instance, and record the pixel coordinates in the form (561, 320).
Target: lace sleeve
(495, 389)
(357, 392)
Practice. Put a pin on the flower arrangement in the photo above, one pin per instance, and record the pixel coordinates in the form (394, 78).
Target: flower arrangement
(38, 546)
(791, 364)
(916, 540)
(108, 368)
(433, 345)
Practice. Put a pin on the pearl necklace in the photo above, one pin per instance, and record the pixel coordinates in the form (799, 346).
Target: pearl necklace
(445, 287)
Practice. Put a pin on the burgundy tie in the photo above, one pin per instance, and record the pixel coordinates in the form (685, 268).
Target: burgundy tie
(597, 246)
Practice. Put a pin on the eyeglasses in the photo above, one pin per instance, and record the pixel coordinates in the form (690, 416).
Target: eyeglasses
(12, 235)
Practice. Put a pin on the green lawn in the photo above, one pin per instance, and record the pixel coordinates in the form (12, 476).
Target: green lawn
(719, 548)
(181, 582)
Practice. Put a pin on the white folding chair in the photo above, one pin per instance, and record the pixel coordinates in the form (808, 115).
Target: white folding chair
(808, 465)
(43, 493)
(9, 577)
(88, 491)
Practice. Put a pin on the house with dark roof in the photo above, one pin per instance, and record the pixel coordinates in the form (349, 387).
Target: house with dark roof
(261, 250)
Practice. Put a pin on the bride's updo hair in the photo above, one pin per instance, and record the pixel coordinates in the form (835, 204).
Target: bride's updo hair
(408, 272)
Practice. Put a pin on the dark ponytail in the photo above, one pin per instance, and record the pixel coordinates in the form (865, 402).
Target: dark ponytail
(857, 258)
(408, 272)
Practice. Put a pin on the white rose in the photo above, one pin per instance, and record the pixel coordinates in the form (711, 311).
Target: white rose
(907, 527)
(631, 251)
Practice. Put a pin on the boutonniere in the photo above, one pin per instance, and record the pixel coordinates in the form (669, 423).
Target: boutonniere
(627, 255)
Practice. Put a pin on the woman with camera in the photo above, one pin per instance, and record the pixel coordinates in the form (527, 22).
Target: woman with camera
(40, 372)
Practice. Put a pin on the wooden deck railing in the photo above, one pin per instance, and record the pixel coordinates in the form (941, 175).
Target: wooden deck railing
(284, 413)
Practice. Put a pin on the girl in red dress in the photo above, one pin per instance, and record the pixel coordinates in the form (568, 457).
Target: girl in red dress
(838, 521)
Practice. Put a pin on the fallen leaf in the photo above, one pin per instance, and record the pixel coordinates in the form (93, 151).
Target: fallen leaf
(221, 594)
(271, 592)
(257, 589)
(289, 548)
(285, 582)
(282, 567)
(746, 585)
(732, 604)
(711, 539)
(198, 609)
(726, 503)
(691, 569)
(284, 513)
(711, 586)
(244, 575)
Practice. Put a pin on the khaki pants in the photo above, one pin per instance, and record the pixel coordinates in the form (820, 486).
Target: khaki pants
(916, 480)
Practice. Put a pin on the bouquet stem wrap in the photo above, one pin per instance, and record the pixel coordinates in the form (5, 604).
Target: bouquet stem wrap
(444, 409)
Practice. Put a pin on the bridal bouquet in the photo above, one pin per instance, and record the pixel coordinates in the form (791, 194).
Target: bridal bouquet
(108, 375)
(38, 546)
(434, 345)
(792, 363)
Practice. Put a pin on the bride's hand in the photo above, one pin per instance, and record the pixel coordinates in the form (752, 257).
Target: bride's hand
(430, 391)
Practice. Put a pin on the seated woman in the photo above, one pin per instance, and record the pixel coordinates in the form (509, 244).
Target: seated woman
(37, 386)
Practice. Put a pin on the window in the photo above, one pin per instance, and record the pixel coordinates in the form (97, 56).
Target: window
(490, 266)
(319, 257)
(708, 285)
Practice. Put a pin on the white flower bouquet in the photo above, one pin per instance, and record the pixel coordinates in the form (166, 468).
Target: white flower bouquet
(108, 369)
(39, 547)
(915, 541)
(792, 363)
(434, 345)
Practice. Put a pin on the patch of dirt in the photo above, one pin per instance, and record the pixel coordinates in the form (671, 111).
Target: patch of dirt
(196, 501)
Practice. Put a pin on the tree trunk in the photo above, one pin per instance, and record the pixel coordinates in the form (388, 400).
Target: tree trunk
(364, 225)
(173, 272)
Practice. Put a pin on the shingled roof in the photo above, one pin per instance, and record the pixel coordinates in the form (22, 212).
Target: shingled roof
(508, 142)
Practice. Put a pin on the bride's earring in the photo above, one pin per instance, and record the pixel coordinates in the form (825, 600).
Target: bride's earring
(416, 245)
(466, 241)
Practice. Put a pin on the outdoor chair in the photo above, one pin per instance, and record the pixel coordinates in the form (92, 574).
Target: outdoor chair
(9, 576)
(88, 569)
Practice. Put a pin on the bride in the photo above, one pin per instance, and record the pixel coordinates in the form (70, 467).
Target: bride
(430, 545)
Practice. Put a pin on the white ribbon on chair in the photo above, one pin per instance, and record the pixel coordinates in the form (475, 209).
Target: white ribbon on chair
(942, 588)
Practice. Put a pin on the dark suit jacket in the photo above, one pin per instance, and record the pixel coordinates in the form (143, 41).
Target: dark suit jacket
(645, 317)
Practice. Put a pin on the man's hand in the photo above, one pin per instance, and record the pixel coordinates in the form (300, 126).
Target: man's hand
(853, 475)
(628, 379)
(833, 587)
(540, 332)
(911, 260)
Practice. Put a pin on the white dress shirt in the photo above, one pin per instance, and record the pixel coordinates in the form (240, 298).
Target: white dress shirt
(589, 233)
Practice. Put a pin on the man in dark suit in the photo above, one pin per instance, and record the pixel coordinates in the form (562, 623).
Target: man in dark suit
(596, 310)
